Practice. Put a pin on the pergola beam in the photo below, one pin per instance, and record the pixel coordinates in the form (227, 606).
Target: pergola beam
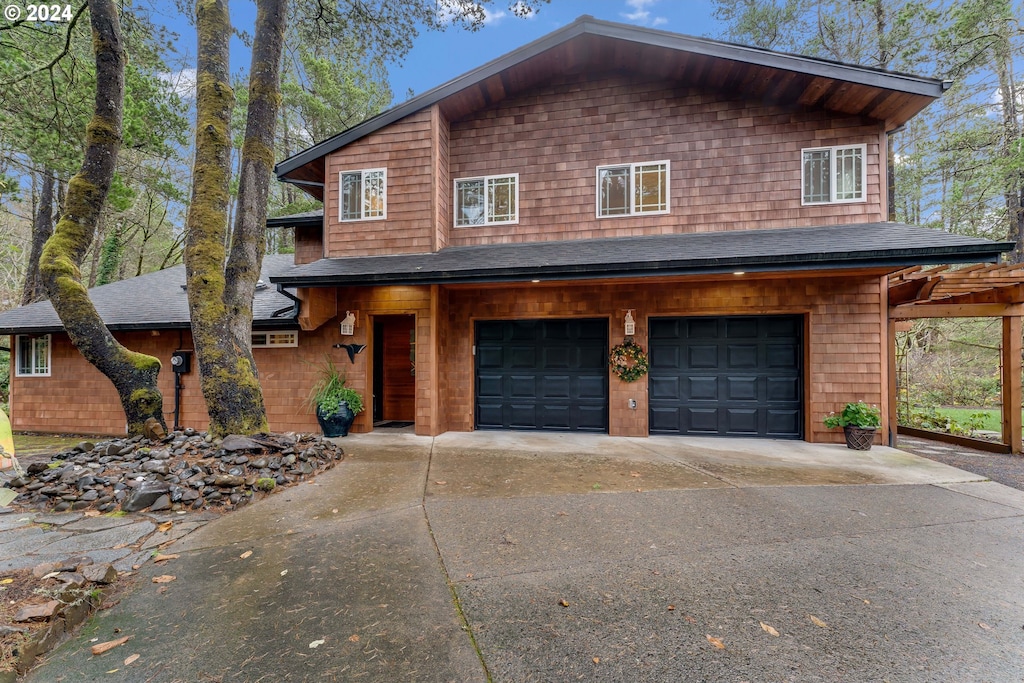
(912, 311)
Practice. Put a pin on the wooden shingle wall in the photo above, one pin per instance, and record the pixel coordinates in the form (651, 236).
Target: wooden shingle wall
(404, 148)
(735, 165)
(309, 245)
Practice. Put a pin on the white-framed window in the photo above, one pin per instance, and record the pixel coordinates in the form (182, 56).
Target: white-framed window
(487, 200)
(33, 356)
(631, 189)
(833, 175)
(266, 340)
(363, 195)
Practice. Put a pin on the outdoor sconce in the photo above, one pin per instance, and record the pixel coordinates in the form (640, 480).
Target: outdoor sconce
(630, 324)
(348, 325)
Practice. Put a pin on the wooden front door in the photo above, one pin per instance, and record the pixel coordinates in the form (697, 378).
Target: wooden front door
(394, 368)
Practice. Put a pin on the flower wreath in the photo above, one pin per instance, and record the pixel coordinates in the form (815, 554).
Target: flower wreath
(628, 361)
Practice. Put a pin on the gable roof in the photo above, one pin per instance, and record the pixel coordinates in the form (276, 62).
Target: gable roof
(866, 245)
(154, 301)
(756, 73)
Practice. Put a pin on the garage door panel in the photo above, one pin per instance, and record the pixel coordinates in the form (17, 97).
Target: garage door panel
(741, 356)
(703, 420)
(701, 356)
(741, 388)
(735, 375)
(542, 374)
(592, 387)
(783, 388)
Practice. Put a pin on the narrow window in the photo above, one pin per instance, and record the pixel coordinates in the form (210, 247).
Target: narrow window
(487, 200)
(632, 189)
(263, 340)
(33, 356)
(363, 194)
(833, 175)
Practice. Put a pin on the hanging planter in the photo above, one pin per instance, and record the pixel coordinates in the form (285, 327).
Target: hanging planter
(628, 361)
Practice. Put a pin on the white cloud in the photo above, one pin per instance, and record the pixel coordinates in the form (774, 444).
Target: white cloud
(492, 18)
(640, 13)
(182, 83)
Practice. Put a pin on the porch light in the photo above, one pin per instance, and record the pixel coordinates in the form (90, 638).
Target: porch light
(630, 324)
(348, 325)
(740, 272)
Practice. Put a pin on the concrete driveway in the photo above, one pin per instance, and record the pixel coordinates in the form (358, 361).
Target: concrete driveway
(532, 557)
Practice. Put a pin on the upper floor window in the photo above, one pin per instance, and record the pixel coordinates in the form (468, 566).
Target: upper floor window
(832, 175)
(629, 189)
(33, 356)
(487, 200)
(363, 194)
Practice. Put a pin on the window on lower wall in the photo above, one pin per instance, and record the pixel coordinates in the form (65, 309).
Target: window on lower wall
(833, 175)
(363, 194)
(266, 340)
(487, 200)
(631, 189)
(33, 356)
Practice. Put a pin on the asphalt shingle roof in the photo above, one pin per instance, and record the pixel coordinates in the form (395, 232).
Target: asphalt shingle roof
(153, 301)
(837, 246)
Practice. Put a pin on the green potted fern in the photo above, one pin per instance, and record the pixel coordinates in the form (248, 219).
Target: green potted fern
(859, 422)
(335, 404)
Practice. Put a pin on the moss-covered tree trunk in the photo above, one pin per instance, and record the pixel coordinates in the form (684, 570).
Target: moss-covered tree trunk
(221, 285)
(134, 375)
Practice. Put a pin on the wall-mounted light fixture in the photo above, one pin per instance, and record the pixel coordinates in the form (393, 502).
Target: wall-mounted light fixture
(630, 324)
(348, 325)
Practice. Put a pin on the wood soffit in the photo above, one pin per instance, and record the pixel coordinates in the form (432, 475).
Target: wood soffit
(964, 292)
(590, 46)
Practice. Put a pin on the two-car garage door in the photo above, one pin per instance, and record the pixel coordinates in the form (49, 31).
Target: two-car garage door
(724, 376)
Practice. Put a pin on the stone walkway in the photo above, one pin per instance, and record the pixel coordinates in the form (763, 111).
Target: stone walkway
(33, 538)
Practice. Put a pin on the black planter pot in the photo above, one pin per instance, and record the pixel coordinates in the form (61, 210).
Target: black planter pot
(338, 423)
(859, 438)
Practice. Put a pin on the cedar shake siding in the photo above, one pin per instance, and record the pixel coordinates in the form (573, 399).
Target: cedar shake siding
(734, 165)
(405, 150)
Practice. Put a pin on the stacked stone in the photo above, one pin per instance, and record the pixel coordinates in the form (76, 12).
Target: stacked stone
(185, 470)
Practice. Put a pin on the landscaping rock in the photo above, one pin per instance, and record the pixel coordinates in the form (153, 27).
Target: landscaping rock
(144, 495)
(37, 612)
(100, 573)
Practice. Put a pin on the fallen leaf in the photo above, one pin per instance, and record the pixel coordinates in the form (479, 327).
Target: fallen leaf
(113, 671)
(717, 642)
(867, 602)
(671, 608)
(334, 511)
(316, 643)
(634, 474)
(92, 513)
(984, 626)
(563, 602)
(769, 630)
(441, 483)
(109, 645)
(284, 572)
(129, 660)
(817, 622)
(354, 638)
(164, 578)
(6, 581)
(164, 558)
(690, 619)
(165, 527)
(246, 554)
(597, 660)
(161, 590)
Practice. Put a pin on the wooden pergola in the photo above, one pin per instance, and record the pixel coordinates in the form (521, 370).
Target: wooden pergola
(974, 292)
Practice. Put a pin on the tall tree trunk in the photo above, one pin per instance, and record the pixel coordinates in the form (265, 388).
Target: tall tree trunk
(220, 290)
(42, 228)
(134, 375)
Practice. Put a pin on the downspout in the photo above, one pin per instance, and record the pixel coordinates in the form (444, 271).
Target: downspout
(294, 308)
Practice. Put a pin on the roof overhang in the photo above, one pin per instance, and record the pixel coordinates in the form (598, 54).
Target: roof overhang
(601, 46)
(868, 245)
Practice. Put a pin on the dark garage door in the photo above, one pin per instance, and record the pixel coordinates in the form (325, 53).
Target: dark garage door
(542, 374)
(728, 376)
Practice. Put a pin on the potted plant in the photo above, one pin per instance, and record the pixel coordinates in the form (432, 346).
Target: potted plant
(335, 404)
(859, 421)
